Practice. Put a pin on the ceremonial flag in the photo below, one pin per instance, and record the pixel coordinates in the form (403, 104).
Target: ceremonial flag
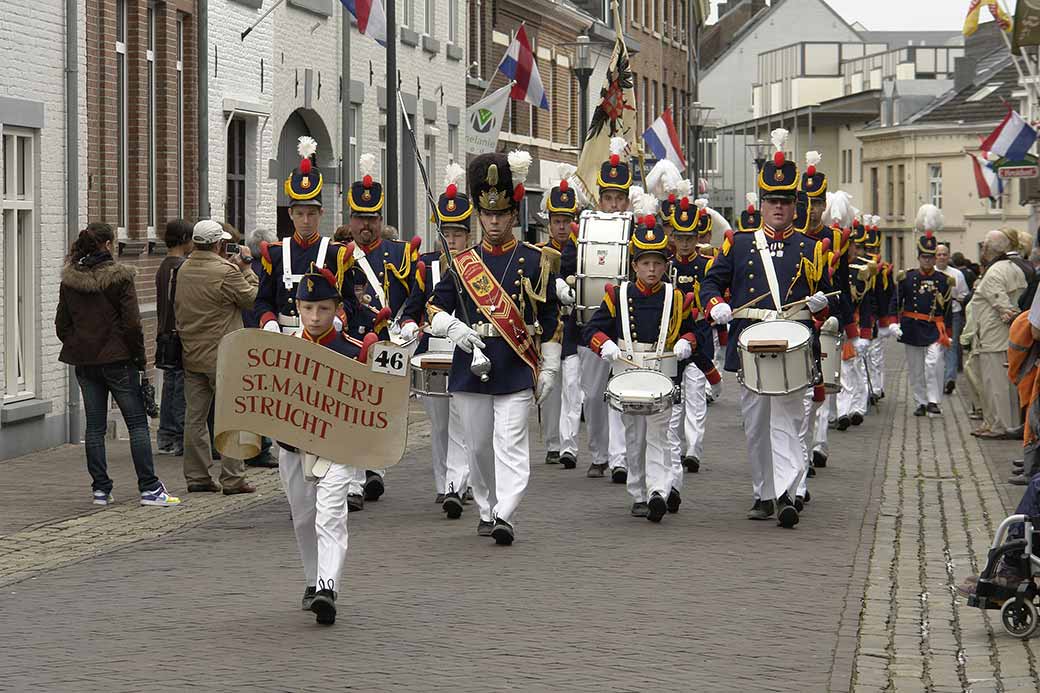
(519, 66)
(370, 16)
(614, 117)
(484, 121)
(1012, 139)
(986, 179)
(663, 141)
(971, 21)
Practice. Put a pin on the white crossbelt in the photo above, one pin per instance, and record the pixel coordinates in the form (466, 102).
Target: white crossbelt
(626, 326)
(763, 314)
(362, 261)
(290, 280)
(767, 265)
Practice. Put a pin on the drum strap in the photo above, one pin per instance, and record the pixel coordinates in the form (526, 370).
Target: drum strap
(666, 318)
(289, 280)
(626, 326)
(767, 266)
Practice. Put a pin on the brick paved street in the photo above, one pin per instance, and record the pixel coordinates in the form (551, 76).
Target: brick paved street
(587, 599)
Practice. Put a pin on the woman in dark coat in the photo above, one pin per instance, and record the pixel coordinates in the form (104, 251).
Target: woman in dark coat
(99, 325)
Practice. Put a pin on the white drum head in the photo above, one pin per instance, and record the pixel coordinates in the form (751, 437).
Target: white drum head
(641, 383)
(795, 333)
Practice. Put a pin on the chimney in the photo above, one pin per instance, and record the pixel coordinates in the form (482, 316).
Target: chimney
(963, 73)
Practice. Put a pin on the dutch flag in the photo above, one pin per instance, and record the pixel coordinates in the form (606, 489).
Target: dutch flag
(371, 18)
(663, 141)
(518, 65)
(1012, 139)
(987, 182)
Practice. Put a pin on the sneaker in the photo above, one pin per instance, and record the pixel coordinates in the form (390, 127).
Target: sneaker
(159, 497)
(1018, 480)
(843, 423)
(761, 510)
(552, 457)
(171, 449)
(691, 464)
(596, 471)
(657, 507)
(933, 409)
(264, 460)
(502, 532)
(484, 528)
(786, 512)
(951, 385)
(355, 502)
(674, 501)
(856, 419)
(819, 459)
(323, 604)
(920, 411)
(452, 505)
(810, 472)
(103, 498)
(568, 460)
(308, 597)
(640, 510)
(374, 487)
(619, 475)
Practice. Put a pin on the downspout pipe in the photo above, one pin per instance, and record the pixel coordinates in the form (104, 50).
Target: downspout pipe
(203, 95)
(72, 408)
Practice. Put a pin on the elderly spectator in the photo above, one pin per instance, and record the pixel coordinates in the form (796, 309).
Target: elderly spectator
(972, 376)
(995, 304)
(212, 293)
(99, 324)
(344, 234)
(390, 233)
(959, 293)
(169, 440)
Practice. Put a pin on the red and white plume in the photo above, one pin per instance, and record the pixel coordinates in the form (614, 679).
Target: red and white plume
(930, 218)
(306, 147)
(453, 175)
(752, 202)
(811, 160)
(366, 167)
(779, 139)
(519, 164)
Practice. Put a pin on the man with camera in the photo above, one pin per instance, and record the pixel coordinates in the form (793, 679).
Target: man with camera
(213, 288)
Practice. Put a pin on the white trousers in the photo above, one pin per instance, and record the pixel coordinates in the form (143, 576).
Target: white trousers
(926, 365)
(695, 409)
(437, 411)
(561, 412)
(618, 440)
(650, 463)
(854, 395)
(457, 464)
(676, 425)
(319, 515)
(771, 425)
(876, 365)
(595, 372)
(820, 424)
(807, 435)
(495, 432)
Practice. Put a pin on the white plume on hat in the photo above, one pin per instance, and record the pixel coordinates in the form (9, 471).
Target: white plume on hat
(519, 164)
(779, 138)
(839, 210)
(684, 189)
(751, 199)
(701, 202)
(718, 222)
(930, 218)
(366, 164)
(643, 203)
(453, 175)
(306, 146)
(564, 171)
(664, 178)
(618, 145)
(634, 193)
(812, 158)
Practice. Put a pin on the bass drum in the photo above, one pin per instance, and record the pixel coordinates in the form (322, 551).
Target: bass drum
(831, 343)
(602, 258)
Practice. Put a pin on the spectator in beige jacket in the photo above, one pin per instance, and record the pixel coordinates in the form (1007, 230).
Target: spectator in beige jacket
(212, 292)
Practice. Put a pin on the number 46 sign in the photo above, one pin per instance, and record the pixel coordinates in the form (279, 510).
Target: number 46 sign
(390, 358)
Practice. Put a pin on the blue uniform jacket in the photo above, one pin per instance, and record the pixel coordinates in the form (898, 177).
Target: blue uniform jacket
(884, 288)
(422, 292)
(272, 298)
(568, 268)
(863, 296)
(515, 266)
(801, 271)
(393, 263)
(687, 275)
(926, 295)
(644, 317)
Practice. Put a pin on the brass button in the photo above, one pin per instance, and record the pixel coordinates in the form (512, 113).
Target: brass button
(516, 283)
(751, 276)
(752, 289)
(521, 261)
(515, 297)
(750, 262)
(386, 253)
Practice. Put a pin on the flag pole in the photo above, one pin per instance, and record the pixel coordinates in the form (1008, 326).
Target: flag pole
(490, 81)
(345, 105)
(255, 24)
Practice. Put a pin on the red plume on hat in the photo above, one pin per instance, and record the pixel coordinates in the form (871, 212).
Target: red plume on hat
(306, 147)
(779, 139)
(329, 276)
(519, 165)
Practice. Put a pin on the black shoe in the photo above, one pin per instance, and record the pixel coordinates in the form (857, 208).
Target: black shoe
(439, 499)
(452, 505)
(873, 400)
(308, 597)
(211, 487)
(857, 419)
(265, 459)
(1018, 480)
(933, 408)
(640, 510)
(808, 497)
(468, 495)
(1018, 464)
(951, 385)
(657, 507)
(324, 606)
(619, 475)
(819, 459)
(691, 464)
(484, 528)
(799, 503)
(568, 460)
(355, 502)
(843, 423)
(596, 471)
(881, 394)
(810, 472)
(761, 510)
(674, 501)
(217, 457)
(374, 487)
(786, 513)
(552, 457)
(502, 533)
(920, 411)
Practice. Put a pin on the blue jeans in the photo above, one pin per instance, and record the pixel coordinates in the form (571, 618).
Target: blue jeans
(123, 380)
(953, 354)
(171, 411)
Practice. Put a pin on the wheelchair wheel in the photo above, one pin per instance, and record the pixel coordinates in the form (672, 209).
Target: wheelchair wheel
(1019, 618)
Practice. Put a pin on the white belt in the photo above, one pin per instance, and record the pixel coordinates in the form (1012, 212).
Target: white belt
(486, 329)
(639, 347)
(288, 320)
(763, 314)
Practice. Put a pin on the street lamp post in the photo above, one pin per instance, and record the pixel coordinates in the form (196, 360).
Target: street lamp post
(697, 114)
(758, 153)
(582, 71)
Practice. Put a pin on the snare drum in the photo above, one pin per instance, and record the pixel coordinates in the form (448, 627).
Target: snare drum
(602, 258)
(776, 357)
(831, 343)
(428, 374)
(641, 392)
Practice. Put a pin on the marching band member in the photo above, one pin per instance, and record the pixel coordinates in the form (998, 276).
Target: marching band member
(388, 267)
(922, 301)
(854, 396)
(789, 267)
(637, 310)
(510, 303)
(606, 432)
(561, 413)
(315, 487)
(450, 457)
(706, 228)
(886, 322)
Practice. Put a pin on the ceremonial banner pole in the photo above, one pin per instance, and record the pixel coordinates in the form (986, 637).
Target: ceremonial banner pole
(392, 195)
(255, 24)
(345, 104)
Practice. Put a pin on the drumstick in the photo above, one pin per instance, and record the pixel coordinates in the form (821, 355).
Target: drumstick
(806, 300)
(751, 302)
(628, 361)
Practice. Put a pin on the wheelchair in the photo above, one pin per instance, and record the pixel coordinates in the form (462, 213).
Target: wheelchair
(1017, 605)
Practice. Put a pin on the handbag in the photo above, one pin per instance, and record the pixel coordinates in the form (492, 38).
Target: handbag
(168, 348)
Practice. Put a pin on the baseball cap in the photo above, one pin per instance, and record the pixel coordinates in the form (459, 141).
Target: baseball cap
(209, 231)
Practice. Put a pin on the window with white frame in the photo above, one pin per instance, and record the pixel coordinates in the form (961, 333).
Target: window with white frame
(355, 128)
(431, 10)
(18, 208)
(408, 19)
(150, 122)
(180, 115)
(453, 142)
(453, 21)
(935, 184)
(122, 130)
(707, 158)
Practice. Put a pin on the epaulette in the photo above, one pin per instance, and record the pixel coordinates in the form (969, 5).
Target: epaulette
(409, 253)
(610, 298)
(343, 262)
(420, 275)
(265, 254)
(550, 255)
(727, 242)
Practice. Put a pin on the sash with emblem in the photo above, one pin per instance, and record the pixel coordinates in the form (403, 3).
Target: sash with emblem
(496, 306)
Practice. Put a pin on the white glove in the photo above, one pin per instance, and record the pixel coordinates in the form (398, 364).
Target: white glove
(409, 331)
(564, 292)
(682, 349)
(716, 389)
(817, 302)
(721, 314)
(548, 371)
(444, 325)
(337, 323)
(610, 351)
(889, 331)
(860, 345)
(897, 331)
(272, 326)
